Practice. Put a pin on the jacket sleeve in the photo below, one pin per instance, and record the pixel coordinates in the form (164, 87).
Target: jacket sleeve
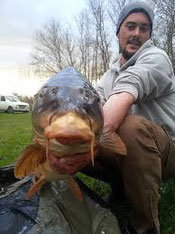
(149, 78)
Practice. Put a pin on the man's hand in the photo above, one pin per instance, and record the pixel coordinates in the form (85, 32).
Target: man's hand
(70, 164)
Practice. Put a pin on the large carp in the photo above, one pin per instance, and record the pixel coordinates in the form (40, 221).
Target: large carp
(67, 119)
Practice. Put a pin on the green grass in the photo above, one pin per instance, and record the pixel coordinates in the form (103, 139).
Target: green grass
(167, 207)
(15, 134)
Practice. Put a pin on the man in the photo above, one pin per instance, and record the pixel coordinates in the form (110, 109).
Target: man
(140, 82)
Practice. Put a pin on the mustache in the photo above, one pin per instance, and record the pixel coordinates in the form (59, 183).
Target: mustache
(134, 41)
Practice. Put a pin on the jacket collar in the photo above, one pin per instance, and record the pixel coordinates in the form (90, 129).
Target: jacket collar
(116, 66)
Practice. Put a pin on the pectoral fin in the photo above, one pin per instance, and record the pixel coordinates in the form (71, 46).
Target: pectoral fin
(112, 142)
(75, 188)
(36, 187)
(29, 160)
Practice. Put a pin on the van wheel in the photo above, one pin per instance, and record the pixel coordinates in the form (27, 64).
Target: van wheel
(10, 110)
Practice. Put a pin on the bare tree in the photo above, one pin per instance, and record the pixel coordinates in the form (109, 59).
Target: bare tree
(165, 35)
(93, 40)
(102, 39)
(90, 48)
(84, 43)
(69, 49)
(54, 49)
(114, 8)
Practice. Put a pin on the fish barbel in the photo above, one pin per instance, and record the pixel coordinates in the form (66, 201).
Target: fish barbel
(67, 119)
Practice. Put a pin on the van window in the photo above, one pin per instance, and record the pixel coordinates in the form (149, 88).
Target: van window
(2, 98)
(12, 98)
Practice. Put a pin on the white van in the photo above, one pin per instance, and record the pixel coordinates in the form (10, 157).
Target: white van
(11, 103)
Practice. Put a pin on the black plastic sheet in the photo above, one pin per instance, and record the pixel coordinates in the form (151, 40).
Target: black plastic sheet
(17, 214)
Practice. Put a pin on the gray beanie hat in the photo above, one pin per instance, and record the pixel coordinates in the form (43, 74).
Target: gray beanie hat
(135, 6)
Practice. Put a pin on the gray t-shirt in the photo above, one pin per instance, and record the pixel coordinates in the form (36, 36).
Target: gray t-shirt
(148, 75)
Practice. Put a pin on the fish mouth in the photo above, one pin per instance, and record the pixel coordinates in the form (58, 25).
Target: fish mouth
(69, 129)
(70, 139)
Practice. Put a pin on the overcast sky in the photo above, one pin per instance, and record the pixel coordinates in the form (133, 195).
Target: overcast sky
(19, 21)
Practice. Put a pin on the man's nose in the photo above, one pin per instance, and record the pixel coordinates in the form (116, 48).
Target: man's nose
(136, 32)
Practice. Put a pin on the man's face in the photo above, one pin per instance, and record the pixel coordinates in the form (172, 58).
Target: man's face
(134, 31)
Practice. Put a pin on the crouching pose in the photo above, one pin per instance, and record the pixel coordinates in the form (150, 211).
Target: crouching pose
(138, 92)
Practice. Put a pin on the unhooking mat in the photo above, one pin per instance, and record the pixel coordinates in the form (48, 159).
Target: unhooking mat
(55, 210)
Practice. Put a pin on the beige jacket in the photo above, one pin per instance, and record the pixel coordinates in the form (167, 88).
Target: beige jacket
(148, 76)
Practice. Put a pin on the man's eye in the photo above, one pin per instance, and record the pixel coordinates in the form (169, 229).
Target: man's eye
(144, 29)
(130, 27)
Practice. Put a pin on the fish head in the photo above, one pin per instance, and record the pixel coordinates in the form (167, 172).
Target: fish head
(68, 109)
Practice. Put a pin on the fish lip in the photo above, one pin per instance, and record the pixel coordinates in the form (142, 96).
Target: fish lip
(66, 138)
(68, 132)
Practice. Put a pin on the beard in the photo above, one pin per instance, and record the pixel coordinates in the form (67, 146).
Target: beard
(126, 54)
